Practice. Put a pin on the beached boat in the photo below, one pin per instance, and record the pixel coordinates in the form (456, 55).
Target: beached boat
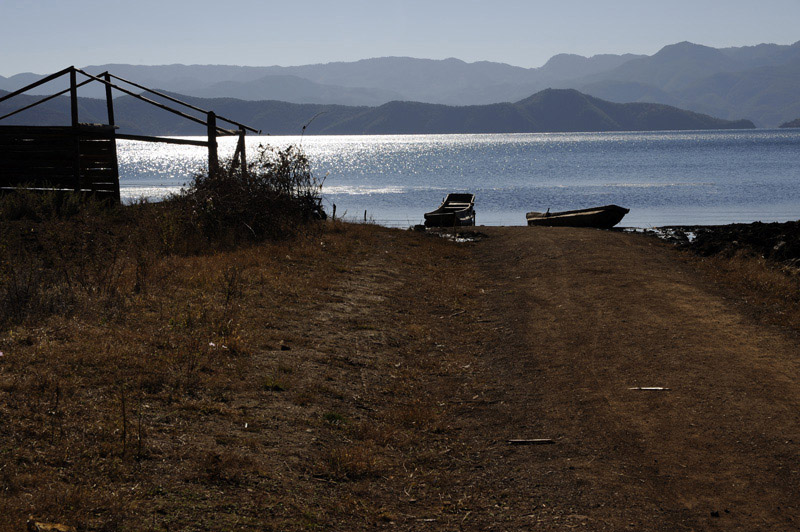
(603, 217)
(456, 209)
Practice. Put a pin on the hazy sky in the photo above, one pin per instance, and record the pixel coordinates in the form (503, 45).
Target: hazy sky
(46, 35)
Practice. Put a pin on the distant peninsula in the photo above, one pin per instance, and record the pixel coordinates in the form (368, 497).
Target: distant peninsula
(550, 110)
(793, 123)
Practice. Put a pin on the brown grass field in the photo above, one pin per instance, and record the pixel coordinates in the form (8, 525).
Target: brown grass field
(355, 377)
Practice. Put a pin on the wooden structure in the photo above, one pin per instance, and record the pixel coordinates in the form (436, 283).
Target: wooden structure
(82, 158)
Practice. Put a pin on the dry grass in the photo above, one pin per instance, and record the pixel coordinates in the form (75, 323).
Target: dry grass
(312, 382)
(770, 291)
(145, 389)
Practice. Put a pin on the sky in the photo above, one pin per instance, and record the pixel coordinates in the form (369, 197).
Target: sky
(44, 36)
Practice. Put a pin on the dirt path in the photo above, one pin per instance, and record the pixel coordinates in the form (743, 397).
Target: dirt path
(363, 378)
(571, 320)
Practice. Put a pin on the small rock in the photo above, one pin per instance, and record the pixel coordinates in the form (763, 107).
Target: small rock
(715, 514)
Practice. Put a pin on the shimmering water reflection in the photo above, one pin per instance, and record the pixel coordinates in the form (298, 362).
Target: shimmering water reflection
(664, 178)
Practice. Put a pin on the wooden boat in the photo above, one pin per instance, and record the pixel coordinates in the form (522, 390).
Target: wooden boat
(603, 217)
(455, 210)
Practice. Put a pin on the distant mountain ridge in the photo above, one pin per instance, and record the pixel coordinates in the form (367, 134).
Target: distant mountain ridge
(449, 81)
(294, 89)
(756, 82)
(551, 110)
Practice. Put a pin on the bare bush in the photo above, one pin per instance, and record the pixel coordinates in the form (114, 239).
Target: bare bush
(269, 199)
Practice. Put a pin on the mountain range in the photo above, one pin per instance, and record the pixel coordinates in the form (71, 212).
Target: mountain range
(550, 110)
(754, 82)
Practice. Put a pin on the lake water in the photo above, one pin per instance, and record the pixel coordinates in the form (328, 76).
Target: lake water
(665, 178)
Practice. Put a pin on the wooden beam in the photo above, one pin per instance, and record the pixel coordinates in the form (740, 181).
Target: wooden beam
(47, 99)
(165, 140)
(35, 84)
(152, 102)
(72, 70)
(190, 106)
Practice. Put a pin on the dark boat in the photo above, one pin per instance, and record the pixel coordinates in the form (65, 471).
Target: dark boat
(604, 217)
(455, 210)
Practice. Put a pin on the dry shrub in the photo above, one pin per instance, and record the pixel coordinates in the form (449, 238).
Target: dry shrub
(61, 253)
(270, 198)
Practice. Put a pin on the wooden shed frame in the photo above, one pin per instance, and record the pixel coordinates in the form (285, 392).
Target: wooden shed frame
(82, 157)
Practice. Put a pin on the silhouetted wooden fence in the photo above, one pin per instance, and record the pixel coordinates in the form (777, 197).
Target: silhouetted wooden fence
(82, 158)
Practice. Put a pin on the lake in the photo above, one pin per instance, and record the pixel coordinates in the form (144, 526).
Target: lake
(665, 178)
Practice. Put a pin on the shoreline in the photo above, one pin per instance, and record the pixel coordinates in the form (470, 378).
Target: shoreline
(775, 241)
(403, 218)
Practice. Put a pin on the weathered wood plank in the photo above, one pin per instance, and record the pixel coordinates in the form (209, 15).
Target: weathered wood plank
(30, 150)
(22, 165)
(165, 140)
(27, 182)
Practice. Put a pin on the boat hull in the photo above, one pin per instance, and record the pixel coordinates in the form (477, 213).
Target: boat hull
(604, 217)
(456, 210)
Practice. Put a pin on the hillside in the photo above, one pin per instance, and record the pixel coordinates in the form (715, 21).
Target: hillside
(793, 123)
(550, 110)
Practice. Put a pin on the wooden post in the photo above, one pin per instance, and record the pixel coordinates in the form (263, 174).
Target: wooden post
(213, 157)
(73, 96)
(73, 103)
(109, 101)
(242, 150)
(113, 133)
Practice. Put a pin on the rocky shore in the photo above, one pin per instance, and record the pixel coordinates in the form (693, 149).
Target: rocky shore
(776, 242)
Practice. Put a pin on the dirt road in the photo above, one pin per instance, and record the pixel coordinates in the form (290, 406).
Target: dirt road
(572, 321)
